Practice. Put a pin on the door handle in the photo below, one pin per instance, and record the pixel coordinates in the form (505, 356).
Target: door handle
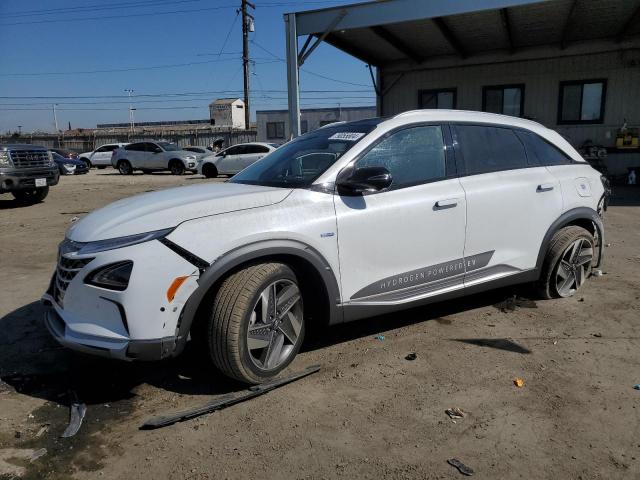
(544, 187)
(448, 203)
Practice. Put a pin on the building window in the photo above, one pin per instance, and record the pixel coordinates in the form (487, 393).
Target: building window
(438, 98)
(275, 129)
(304, 126)
(504, 99)
(582, 101)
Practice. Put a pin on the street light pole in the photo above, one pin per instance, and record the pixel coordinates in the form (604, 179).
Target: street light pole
(131, 124)
(55, 117)
(247, 24)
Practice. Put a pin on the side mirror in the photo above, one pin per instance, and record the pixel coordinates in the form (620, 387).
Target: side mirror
(359, 181)
(157, 150)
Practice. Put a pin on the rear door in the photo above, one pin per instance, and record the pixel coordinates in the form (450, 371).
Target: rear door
(154, 157)
(102, 155)
(134, 152)
(510, 203)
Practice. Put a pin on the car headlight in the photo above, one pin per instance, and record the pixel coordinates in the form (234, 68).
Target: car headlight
(70, 166)
(50, 155)
(4, 159)
(120, 242)
(114, 276)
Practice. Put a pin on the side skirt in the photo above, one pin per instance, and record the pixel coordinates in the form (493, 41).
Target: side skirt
(356, 312)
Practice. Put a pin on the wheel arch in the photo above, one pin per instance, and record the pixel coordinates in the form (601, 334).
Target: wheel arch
(584, 217)
(313, 271)
(86, 160)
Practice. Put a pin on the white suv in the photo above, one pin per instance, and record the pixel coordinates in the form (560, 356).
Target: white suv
(153, 156)
(101, 156)
(349, 221)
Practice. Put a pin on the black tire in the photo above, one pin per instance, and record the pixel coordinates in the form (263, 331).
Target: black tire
(31, 196)
(563, 240)
(86, 161)
(230, 317)
(209, 170)
(124, 167)
(176, 167)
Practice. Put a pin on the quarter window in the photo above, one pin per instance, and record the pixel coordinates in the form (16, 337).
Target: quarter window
(540, 152)
(489, 149)
(437, 98)
(412, 156)
(275, 129)
(504, 99)
(582, 101)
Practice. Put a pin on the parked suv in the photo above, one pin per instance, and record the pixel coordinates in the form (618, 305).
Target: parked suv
(348, 221)
(101, 156)
(150, 156)
(27, 172)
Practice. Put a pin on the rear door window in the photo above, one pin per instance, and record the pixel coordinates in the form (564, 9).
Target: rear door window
(540, 152)
(135, 147)
(487, 149)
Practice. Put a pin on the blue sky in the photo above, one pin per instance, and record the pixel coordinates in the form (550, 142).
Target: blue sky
(161, 47)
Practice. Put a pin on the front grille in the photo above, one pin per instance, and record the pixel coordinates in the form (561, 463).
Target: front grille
(66, 271)
(29, 158)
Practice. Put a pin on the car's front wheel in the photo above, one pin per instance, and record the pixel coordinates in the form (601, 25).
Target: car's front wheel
(256, 323)
(31, 196)
(124, 167)
(176, 167)
(209, 170)
(87, 162)
(567, 264)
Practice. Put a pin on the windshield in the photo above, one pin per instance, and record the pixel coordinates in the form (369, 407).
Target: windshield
(169, 147)
(298, 163)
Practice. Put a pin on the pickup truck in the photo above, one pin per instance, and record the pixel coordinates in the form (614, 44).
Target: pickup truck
(27, 172)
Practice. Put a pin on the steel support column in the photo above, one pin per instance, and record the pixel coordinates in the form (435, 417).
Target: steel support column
(293, 83)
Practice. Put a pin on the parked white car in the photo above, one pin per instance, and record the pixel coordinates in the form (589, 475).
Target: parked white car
(101, 156)
(153, 156)
(348, 221)
(233, 159)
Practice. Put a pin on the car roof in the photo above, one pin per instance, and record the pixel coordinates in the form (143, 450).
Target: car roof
(444, 115)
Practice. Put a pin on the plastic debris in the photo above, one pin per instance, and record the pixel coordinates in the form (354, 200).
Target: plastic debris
(455, 412)
(596, 273)
(77, 412)
(462, 468)
(518, 382)
(37, 454)
(380, 337)
(637, 387)
(597, 335)
(412, 356)
(42, 430)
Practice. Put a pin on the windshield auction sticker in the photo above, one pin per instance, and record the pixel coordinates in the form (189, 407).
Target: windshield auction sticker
(348, 136)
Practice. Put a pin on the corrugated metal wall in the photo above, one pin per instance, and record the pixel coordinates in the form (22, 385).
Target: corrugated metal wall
(542, 84)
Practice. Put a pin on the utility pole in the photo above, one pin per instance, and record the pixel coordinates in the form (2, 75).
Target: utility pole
(55, 117)
(130, 92)
(247, 26)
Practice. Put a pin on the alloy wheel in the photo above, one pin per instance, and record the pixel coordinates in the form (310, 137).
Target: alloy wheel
(275, 325)
(574, 267)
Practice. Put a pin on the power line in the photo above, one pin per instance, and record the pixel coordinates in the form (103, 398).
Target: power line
(94, 7)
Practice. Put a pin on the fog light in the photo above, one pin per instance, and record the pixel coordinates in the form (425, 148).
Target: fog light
(114, 276)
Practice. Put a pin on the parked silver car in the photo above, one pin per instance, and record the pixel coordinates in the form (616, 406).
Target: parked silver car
(233, 159)
(153, 156)
(101, 156)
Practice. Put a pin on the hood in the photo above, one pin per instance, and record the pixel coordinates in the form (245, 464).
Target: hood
(168, 208)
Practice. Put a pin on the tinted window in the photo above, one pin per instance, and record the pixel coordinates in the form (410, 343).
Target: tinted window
(507, 99)
(256, 149)
(135, 147)
(152, 147)
(107, 148)
(440, 98)
(489, 149)
(237, 150)
(275, 129)
(541, 152)
(412, 156)
(582, 102)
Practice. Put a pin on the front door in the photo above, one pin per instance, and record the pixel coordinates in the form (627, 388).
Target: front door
(230, 158)
(406, 242)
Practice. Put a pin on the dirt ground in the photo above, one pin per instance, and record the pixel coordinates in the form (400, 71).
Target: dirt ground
(369, 413)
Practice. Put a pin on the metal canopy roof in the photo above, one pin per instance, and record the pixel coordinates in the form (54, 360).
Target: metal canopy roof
(388, 31)
(413, 32)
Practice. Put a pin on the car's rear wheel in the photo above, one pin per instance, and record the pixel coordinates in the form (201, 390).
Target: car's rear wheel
(124, 167)
(86, 161)
(176, 167)
(209, 170)
(256, 323)
(32, 195)
(567, 264)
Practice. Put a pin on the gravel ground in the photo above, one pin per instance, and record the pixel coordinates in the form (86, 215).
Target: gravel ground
(369, 413)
